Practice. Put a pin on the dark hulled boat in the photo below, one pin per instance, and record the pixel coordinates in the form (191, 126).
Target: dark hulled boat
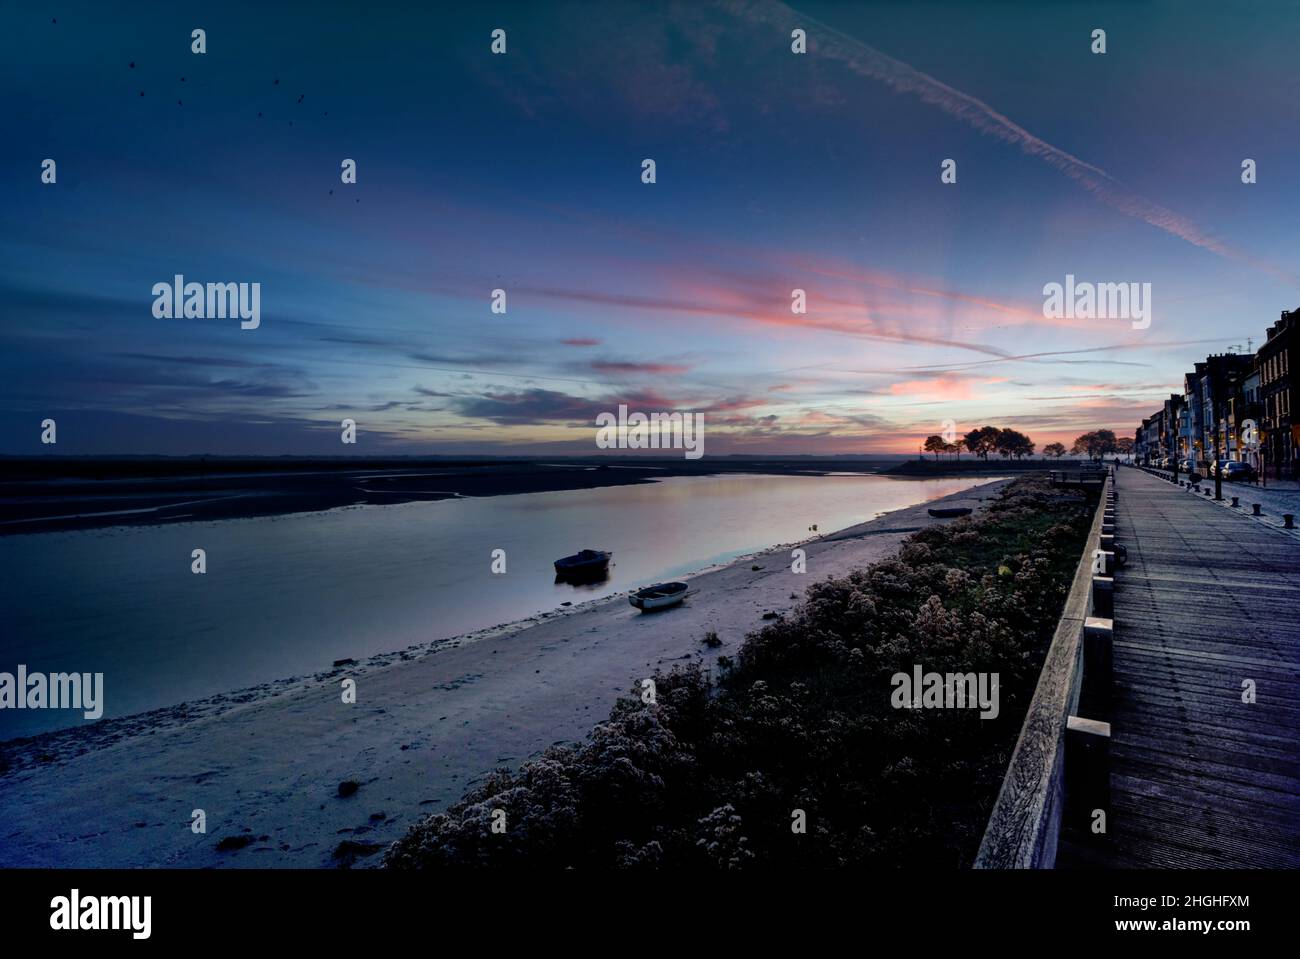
(584, 564)
(948, 512)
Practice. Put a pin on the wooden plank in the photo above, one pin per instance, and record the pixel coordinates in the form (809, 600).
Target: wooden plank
(1200, 778)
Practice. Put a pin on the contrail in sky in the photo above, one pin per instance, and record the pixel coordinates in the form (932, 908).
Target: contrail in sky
(899, 76)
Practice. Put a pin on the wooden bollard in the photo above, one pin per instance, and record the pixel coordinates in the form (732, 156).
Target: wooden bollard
(1103, 596)
(1098, 632)
(1288, 520)
(1087, 774)
(1234, 501)
(1254, 509)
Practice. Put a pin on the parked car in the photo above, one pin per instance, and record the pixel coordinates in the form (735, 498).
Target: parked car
(1233, 470)
(1186, 466)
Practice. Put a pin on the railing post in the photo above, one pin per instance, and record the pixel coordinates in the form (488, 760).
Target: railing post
(1103, 596)
(1098, 662)
(1087, 774)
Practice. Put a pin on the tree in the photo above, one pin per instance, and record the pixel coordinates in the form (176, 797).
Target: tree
(1014, 443)
(935, 444)
(953, 448)
(1096, 444)
(1056, 450)
(982, 441)
(1124, 445)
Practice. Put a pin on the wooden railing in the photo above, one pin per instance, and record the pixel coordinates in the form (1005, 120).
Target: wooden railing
(1025, 824)
(1084, 476)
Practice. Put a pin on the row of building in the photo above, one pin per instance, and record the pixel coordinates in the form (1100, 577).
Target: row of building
(1223, 398)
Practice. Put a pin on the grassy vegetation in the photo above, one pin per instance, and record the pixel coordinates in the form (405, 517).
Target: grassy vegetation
(709, 776)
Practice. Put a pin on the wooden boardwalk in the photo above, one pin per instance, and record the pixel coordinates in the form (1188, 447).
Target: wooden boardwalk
(1207, 600)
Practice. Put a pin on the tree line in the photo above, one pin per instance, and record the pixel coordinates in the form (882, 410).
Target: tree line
(1012, 443)
(982, 442)
(1100, 442)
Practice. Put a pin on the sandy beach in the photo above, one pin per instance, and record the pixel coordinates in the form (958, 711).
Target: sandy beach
(427, 722)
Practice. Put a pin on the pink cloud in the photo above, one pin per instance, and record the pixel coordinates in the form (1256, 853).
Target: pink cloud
(945, 387)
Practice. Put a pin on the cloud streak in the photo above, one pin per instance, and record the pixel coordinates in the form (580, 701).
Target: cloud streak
(903, 78)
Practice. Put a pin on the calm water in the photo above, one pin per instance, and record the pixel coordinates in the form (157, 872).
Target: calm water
(289, 595)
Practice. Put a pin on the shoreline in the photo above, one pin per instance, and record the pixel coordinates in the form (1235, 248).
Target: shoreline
(428, 721)
(100, 496)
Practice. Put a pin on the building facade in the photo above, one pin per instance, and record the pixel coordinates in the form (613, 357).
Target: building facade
(1279, 430)
(1225, 394)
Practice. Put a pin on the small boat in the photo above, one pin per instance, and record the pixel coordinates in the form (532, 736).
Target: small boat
(586, 562)
(948, 512)
(659, 596)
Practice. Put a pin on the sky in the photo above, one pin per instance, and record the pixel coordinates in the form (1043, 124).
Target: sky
(775, 171)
